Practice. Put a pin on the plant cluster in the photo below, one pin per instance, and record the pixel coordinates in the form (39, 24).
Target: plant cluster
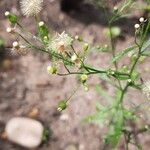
(61, 50)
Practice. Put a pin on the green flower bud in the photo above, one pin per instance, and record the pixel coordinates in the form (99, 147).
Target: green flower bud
(51, 70)
(62, 105)
(142, 58)
(43, 31)
(83, 78)
(11, 17)
(79, 38)
(85, 46)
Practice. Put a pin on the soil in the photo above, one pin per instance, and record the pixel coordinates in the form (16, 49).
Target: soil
(25, 85)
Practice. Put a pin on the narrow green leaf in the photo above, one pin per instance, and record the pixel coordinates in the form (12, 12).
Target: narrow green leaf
(146, 45)
(123, 53)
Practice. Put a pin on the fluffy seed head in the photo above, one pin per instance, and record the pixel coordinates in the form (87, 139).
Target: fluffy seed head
(60, 43)
(31, 7)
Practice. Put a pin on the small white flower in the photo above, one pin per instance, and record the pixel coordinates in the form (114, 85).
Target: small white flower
(141, 19)
(41, 23)
(136, 26)
(18, 49)
(73, 57)
(16, 45)
(146, 89)
(115, 8)
(60, 42)
(31, 7)
(10, 30)
(7, 13)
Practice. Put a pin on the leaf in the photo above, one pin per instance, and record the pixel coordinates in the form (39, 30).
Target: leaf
(100, 116)
(121, 77)
(146, 45)
(96, 118)
(115, 129)
(128, 114)
(124, 52)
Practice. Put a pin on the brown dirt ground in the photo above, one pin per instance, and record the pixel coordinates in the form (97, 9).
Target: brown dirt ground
(26, 85)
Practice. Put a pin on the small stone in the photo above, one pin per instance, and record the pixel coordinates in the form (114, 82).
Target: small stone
(71, 147)
(64, 117)
(33, 113)
(24, 132)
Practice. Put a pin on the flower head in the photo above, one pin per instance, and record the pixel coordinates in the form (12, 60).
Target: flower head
(31, 7)
(7, 13)
(141, 19)
(136, 26)
(60, 42)
(18, 49)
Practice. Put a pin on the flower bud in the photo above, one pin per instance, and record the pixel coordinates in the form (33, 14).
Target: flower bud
(83, 78)
(115, 9)
(79, 38)
(11, 17)
(41, 23)
(7, 13)
(85, 46)
(141, 19)
(62, 105)
(51, 70)
(16, 45)
(136, 26)
(73, 57)
(10, 30)
(86, 88)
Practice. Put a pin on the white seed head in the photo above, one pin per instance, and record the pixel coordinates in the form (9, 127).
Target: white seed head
(41, 23)
(136, 26)
(60, 43)
(15, 44)
(31, 7)
(7, 13)
(141, 19)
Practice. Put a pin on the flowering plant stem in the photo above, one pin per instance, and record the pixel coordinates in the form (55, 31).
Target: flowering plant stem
(61, 49)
